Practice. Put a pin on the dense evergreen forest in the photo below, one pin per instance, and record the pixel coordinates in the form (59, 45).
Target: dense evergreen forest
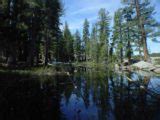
(30, 34)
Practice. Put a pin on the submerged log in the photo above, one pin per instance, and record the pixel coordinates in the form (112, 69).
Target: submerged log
(130, 80)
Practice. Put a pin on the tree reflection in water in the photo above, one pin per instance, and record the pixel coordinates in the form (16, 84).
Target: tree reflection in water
(84, 95)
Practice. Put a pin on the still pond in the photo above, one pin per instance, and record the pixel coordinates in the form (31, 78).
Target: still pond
(83, 95)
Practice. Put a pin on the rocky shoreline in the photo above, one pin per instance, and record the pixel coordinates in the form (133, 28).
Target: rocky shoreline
(141, 65)
(146, 66)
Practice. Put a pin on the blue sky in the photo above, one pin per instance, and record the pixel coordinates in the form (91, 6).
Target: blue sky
(75, 11)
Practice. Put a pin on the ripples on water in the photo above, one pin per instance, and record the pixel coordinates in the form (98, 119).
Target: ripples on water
(89, 95)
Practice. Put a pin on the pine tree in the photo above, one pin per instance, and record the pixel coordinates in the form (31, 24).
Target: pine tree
(127, 12)
(145, 22)
(68, 44)
(104, 32)
(117, 39)
(94, 44)
(86, 44)
(33, 28)
(77, 45)
(124, 33)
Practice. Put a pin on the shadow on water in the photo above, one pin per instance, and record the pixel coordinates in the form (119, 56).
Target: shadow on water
(84, 95)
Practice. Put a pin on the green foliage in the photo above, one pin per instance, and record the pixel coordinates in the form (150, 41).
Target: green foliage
(103, 33)
(94, 43)
(30, 33)
(86, 39)
(29, 29)
(133, 25)
(68, 44)
(145, 22)
(77, 45)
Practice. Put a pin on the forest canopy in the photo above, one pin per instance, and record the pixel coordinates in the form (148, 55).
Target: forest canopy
(30, 33)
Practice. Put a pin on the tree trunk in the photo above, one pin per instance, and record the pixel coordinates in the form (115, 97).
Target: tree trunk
(145, 48)
(139, 49)
(46, 49)
(129, 52)
(31, 56)
(121, 55)
(121, 42)
(129, 47)
(37, 56)
(12, 34)
(143, 33)
(12, 58)
(32, 41)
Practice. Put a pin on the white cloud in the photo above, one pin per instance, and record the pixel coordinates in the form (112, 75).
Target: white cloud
(77, 10)
(88, 9)
(79, 25)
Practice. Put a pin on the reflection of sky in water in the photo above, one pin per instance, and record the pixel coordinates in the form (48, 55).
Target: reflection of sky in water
(154, 84)
(75, 109)
(85, 96)
(78, 107)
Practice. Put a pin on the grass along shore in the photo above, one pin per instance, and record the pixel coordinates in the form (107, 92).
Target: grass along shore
(38, 71)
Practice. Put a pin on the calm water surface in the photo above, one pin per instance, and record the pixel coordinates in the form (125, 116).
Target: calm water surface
(87, 95)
